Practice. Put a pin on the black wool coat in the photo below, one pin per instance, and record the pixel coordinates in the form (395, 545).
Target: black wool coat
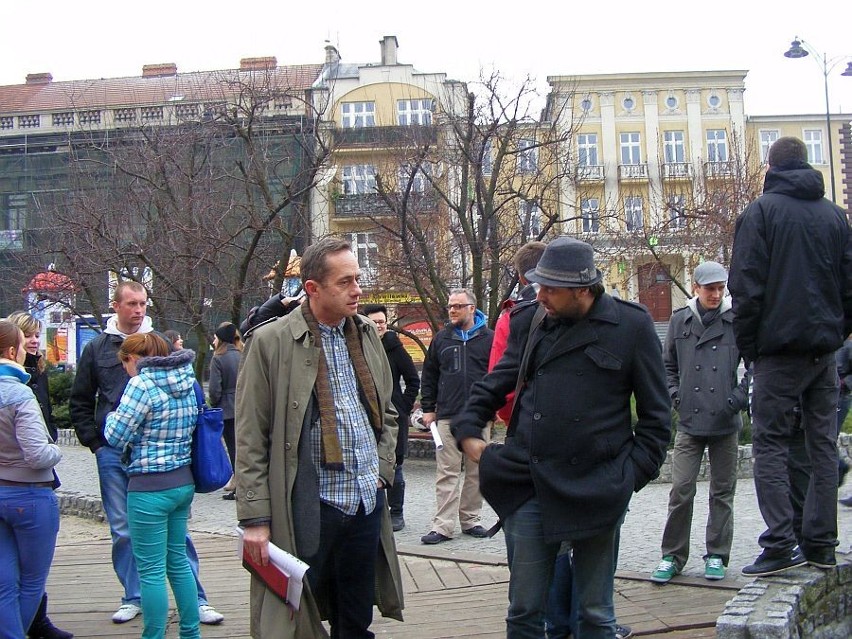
(573, 444)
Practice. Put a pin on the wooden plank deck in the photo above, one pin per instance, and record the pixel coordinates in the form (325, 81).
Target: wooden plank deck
(445, 598)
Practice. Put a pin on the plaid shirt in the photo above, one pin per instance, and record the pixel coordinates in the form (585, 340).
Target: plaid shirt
(156, 418)
(358, 481)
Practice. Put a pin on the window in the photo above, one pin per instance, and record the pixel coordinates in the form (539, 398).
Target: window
(767, 138)
(412, 112)
(714, 101)
(591, 215)
(813, 140)
(359, 114)
(367, 252)
(717, 145)
(527, 156)
(673, 147)
(630, 151)
(529, 216)
(677, 211)
(633, 213)
(586, 104)
(420, 182)
(628, 103)
(588, 149)
(671, 102)
(15, 216)
(487, 158)
(359, 179)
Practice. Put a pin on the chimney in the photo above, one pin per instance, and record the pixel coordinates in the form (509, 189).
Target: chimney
(159, 70)
(39, 78)
(331, 55)
(389, 47)
(258, 64)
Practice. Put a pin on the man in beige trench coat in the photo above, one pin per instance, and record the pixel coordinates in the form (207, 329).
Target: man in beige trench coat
(316, 433)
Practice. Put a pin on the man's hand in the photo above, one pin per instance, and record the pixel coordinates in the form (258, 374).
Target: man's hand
(473, 448)
(428, 418)
(256, 543)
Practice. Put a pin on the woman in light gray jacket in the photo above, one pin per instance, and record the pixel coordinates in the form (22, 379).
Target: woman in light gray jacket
(227, 350)
(29, 510)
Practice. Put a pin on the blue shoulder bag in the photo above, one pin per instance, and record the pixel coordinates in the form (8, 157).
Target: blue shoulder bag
(211, 467)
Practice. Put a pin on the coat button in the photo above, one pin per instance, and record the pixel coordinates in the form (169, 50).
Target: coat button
(715, 347)
(574, 461)
(308, 362)
(695, 410)
(536, 416)
(712, 390)
(696, 389)
(698, 367)
(534, 460)
(250, 494)
(287, 446)
(576, 419)
(295, 404)
(715, 368)
(539, 373)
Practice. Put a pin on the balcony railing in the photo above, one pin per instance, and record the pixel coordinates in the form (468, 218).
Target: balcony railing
(381, 136)
(371, 205)
(677, 170)
(718, 169)
(633, 171)
(590, 172)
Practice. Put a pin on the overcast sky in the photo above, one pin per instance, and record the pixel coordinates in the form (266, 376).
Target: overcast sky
(95, 39)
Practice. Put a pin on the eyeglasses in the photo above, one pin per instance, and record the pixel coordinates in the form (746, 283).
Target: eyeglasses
(457, 307)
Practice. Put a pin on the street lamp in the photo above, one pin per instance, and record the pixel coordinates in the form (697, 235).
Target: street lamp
(802, 49)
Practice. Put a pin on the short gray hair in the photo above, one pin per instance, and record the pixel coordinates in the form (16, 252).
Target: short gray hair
(471, 298)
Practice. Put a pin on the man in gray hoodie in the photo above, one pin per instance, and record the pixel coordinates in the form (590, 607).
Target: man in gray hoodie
(701, 359)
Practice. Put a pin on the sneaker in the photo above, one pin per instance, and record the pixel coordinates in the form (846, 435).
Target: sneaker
(126, 612)
(207, 615)
(477, 531)
(714, 568)
(822, 558)
(623, 632)
(665, 570)
(770, 563)
(434, 538)
(45, 629)
(398, 522)
(846, 501)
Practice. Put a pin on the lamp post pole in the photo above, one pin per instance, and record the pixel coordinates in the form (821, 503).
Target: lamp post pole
(801, 49)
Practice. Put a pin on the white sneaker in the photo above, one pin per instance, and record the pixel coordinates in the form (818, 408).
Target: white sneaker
(208, 615)
(126, 613)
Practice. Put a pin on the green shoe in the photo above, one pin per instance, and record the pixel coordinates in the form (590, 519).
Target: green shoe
(665, 570)
(714, 569)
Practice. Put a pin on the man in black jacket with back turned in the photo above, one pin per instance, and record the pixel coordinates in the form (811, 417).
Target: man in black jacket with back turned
(791, 282)
(402, 367)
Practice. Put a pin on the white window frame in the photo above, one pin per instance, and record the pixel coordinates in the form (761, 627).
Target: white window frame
(813, 140)
(587, 149)
(366, 252)
(677, 204)
(358, 114)
(421, 181)
(590, 213)
(487, 157)
(674, 147)
(767, 139)
(717, 145)
(631, 147)
(358, 179)
(634, 216)
(416, 112)
(527, 156)
(529, 216)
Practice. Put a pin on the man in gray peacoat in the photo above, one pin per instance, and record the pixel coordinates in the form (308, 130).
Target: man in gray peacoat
(291, 488)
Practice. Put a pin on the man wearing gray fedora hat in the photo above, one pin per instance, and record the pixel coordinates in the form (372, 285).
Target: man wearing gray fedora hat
(572, 457)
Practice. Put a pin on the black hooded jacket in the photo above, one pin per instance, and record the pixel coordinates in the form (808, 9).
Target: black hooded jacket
(791, 269)
(401, 365)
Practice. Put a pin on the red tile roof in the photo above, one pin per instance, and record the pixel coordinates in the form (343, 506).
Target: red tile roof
(200, 86)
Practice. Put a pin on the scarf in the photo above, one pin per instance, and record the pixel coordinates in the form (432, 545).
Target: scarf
(332, 456)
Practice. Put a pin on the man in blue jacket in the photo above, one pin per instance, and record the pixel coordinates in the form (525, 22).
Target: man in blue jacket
(791, 282)
(457, 357)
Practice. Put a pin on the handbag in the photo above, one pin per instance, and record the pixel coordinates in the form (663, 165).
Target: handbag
(211, 467)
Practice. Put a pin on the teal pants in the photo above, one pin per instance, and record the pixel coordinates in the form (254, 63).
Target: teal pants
(158, 536)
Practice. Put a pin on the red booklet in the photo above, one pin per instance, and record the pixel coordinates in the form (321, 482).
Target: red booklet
(270, 574)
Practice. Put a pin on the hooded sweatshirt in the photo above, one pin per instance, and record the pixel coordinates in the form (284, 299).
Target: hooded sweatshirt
(156, 416)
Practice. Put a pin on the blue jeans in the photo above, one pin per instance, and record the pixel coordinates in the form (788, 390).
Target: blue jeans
(158, 526)
(112, 475)
(29, 523)
(343, 569)
(531, 567)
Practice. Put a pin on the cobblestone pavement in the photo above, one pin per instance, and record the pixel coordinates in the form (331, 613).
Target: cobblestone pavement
(640, 535)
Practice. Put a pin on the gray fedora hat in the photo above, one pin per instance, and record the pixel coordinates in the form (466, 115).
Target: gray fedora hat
(566, 263)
